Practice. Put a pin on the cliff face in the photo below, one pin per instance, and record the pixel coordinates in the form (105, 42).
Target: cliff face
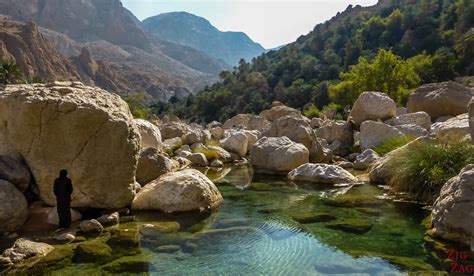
(81, 20)
(26, 45)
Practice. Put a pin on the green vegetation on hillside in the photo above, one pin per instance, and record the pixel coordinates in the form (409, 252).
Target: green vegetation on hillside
(433, 38)
(10, 72)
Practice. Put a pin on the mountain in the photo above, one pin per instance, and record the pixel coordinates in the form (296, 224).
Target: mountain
(438, 33)
(35, 55)
(187, 29)
(128, 59)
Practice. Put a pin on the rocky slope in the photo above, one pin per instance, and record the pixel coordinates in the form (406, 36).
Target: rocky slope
(194, 31)
(128, 60)
(33, 52)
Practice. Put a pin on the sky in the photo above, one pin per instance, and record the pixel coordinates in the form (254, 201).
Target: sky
(269, 22)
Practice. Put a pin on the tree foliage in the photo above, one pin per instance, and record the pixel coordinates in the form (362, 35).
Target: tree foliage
(10, 72)
(441, 31)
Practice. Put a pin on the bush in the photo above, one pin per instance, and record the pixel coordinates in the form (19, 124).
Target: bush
(392, 144)
(312, 112)
(423, 170)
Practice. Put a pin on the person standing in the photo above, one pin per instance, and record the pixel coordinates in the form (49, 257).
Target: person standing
(63, 191)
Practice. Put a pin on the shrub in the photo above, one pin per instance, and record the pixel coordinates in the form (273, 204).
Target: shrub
(422, 171)
(392, 144)
(211, 154)
(312, 112)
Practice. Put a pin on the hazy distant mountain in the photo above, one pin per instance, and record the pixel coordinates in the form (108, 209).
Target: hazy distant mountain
(128, 59)
(194, 31)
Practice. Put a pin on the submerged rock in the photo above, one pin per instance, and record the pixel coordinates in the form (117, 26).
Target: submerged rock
(92, 252)
(109, 219)
(354, 226)
(13, 207)
(91, 226)
(452, 215)
(187, 190)
(322, 174)
(372, 106)
(278, 155)
(73, 127)
(129, 264)
(315, 217)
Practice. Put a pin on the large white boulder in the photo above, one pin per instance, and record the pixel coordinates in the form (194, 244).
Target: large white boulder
(366, 159)
(296, 127)
(440, 99)
(86, 130)
(373, 134)
(452, 215)
(277, 155)
(236, 142)
(13, 207)
(187, 190)
(150, 134)
(321, 174)
(372, 106)
(238, 121)
(173, 129)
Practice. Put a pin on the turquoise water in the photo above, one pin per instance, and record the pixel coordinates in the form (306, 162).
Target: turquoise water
(265, 226)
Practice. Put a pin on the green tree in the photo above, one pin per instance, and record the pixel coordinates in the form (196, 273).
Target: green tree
(138, 105)
(10, 72)
(387, 73)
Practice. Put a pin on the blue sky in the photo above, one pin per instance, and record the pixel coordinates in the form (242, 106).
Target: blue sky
(269, 22)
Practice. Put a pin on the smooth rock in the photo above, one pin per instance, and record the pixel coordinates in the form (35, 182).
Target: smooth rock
(296, 127)
(109, 219)
(15, 172)
(217, 133)
(451, 96)
(366, 159)
(238, 121)
(53, 217)
(452, 215)
(91, 226)
(453, 129)
(419, 118)
(373, 134)
(277, 155)
(336, 131)
(187, 190)
(277, 112)
(198, 159)
(236, 143)
(372, 106)
(150, 135)
(413, 130)
(75, 131)
(321, 174)
(152, 164)
(173, 129)
(13, 207)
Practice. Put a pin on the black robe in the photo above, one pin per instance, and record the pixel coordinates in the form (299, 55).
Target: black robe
(63, 191)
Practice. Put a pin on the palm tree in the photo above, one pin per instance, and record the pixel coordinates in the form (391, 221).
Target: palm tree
(10, 72)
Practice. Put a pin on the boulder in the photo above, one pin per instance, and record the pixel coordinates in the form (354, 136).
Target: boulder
(277, 112)
(321, 174)
(316, 122)
(471, 119)
(86, 130)
(15, 172)
(53, 217)
(150, 134)
(187, 190)
(451, 96)
(198, 159)
(152, 164)
(258, 123)
(413, 130)
(195, 136)
(321, 152)
(419, 118)
(13, 207)
(91, 226)
(172, 144)
(452, 215)
(401, 111)
(238, 121)
(277, 155)
(373, 134)
(24, 249)
(109, 219)
(213, 124)
(296, 127)
(336, 130)
(366, 159)
(173, 129)
(237, 143)
(217, 133)
(454, 128)
(372, 106)
(222, 154)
